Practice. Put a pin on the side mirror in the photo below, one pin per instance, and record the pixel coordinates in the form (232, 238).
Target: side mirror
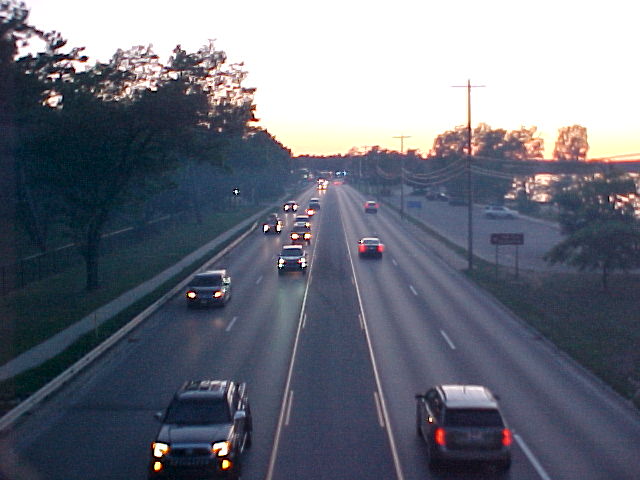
(239, 415)
(419, 396)
(158, 416)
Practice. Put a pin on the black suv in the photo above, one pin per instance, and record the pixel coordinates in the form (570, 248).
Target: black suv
(292, 257)
(463, 423)
(204, 431)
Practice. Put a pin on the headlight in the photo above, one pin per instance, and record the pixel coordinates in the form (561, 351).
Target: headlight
(265, 228)
(191, 294)
(160, 449)
(217, 294)
(221, 449)
(294, 236)
(281, 261)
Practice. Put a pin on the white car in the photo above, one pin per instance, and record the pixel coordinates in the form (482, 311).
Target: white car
(499, 212)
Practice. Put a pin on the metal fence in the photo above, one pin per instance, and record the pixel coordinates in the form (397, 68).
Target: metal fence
(40, 266)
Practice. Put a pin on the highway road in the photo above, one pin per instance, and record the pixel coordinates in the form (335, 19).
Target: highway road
(332, 361)
(452, 222)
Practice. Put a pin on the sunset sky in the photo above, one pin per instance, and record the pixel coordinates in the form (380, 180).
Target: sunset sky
(338, 74)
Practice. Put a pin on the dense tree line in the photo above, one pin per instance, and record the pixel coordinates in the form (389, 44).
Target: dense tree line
(89, 142)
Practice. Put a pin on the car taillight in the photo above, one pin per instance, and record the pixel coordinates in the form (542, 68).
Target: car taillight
(191, 294)
(307, 236)
(440, 437)
(362, 248)
(294, 236)
(217, 294)
(506, 437)
(381, 248)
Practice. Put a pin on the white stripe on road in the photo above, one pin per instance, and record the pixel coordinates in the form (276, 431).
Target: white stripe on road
(230, 326)
(361, 322)
(534, 461)
(446, 337)
(413, 290)
(393, 260)
(304, 320)
(290, 402)
(259, 280)
(379, 409)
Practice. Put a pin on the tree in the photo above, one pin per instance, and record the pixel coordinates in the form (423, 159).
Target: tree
(572, 144)
(602, 230)
(107, 136)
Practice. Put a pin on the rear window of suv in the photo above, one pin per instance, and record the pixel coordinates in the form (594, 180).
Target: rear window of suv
(467, 417)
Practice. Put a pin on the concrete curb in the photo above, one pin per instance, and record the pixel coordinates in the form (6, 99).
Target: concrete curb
(33, 400)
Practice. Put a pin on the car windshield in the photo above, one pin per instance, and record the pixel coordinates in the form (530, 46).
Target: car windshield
(207, 281)
(370, 241)
(472, 417)
(198, 411)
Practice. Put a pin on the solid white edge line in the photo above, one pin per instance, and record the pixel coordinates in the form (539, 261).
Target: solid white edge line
(361, 323)
(534, 461)
(413, 290)
(376, 399)
(383, 404)
(283, 406)
(448, 340)
(304, 320)
(230, 326)
(290, 402)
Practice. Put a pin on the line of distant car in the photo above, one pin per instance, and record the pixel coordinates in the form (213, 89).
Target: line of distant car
(208, 424)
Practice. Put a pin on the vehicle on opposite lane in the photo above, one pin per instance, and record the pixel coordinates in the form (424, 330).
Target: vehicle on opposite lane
(204, 432)
(292, 258)
(499, 212)
(463, 423)
(370, 206)
(370, 247)
(212, 287)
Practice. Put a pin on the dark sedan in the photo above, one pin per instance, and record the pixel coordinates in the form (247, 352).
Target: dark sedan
(370, 247)
(209, 288)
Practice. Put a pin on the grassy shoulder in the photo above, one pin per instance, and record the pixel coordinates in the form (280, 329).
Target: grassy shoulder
(44, 308)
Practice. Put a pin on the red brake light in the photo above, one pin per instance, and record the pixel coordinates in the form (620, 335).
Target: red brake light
(506, 437)
(440, 437)
(361, 247)
(381, 248)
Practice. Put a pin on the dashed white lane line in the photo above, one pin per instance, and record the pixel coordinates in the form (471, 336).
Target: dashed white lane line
(378, 409)
(230, 326)
(259, 280)
(290, 403)
(393, 260)
(413, 290)
(448, 340)
(534, 461)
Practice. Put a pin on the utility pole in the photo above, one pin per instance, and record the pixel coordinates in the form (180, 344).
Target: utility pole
(402, 137)
(468, 86)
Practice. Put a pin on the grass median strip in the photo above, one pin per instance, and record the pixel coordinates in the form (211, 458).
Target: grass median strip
(43, 309)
